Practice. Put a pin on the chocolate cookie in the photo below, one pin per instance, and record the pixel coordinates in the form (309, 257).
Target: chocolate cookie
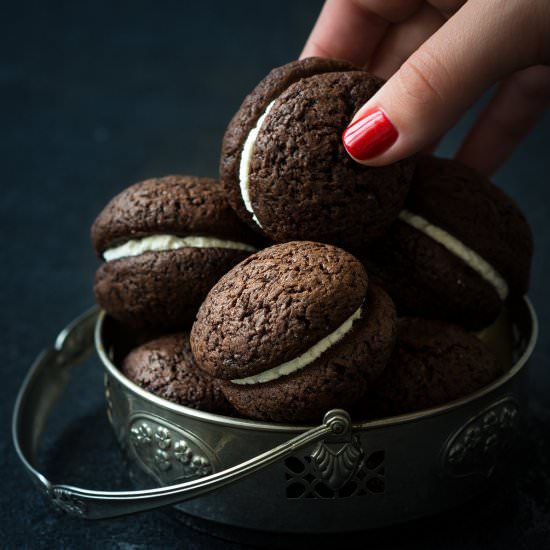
(294, 330)
(461, 246)
(434, 363)
(166, 241)
(165, 367)
(285, 169)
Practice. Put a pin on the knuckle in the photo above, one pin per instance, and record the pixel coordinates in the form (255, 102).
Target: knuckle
(423, 78)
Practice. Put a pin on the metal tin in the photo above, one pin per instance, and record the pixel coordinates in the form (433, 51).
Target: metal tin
(339, 476)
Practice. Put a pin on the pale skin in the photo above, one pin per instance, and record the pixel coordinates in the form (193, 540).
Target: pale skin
(438, 57)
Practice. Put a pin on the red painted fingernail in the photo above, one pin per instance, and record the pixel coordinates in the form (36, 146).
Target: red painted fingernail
(369, 136)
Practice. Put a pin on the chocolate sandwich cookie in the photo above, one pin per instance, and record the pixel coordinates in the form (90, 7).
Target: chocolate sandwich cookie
(284, 166)
(165, 242)
(293, 331)
(460, 247)
(165, 367)
(434, 363)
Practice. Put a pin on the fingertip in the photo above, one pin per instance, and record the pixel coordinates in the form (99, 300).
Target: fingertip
(369, 136)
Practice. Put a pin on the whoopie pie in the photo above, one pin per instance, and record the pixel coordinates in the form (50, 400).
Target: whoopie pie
(285, 169)
(434, 363)
(165, 366)
(165, 242)
(459, 249)
(293, 331)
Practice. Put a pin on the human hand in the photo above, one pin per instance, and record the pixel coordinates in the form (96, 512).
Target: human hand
(439, 56)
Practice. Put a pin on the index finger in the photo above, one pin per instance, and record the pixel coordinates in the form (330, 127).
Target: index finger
(352, 29)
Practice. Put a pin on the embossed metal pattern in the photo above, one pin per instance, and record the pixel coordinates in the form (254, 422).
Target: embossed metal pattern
(167, 451)
(337, 467)
(303, 479)
(68, 503)
(476, 447)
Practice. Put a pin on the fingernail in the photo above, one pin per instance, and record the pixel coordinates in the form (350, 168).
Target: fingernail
(369, 136)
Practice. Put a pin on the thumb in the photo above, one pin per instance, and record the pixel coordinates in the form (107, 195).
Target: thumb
(439, 81)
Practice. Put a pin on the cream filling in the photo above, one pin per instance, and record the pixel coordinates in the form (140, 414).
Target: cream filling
(306, 358)
(244, 166)
(467, 255)
(157, 243)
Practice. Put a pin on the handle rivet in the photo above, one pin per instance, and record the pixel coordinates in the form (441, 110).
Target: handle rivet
(338, 420)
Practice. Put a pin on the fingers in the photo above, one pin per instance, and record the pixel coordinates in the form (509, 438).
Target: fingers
(447, 7)
(351, 29)
(344, 30)
(518, 104)
(439, 82)
(401, 40)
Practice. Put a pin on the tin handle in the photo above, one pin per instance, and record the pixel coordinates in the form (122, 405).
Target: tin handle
(43, 386)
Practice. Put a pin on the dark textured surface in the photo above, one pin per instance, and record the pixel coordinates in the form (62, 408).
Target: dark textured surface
(303, 184)
(434, 363)
(166, 367)
(162, 289)
(341, 377)
(173, 205)
(98, 95)
(274, 306)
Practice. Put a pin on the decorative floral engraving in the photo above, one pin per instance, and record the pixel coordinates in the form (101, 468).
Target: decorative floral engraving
(67, 502)
(509, 417)
(163, 438)
(475, 448)
(141, 434)
(200, 466)
(337, 465)
(182, 452)
(165, 453)
(162, 459)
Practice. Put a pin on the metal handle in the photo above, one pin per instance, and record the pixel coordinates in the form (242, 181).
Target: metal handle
(43, 386)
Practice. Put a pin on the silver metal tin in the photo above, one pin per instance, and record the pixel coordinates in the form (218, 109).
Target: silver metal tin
(338, 476)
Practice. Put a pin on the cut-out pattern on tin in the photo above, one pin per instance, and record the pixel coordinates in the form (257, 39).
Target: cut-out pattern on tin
(167, 453)
(304, 479)
(476, 446)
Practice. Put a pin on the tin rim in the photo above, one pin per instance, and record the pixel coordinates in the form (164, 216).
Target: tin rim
(182, 410)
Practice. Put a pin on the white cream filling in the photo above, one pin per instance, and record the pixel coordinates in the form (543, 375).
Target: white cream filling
(156, 243)
(306, 358)
(244, 166)
(467, 255)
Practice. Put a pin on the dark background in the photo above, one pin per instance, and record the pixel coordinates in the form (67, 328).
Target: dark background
(97, 95)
